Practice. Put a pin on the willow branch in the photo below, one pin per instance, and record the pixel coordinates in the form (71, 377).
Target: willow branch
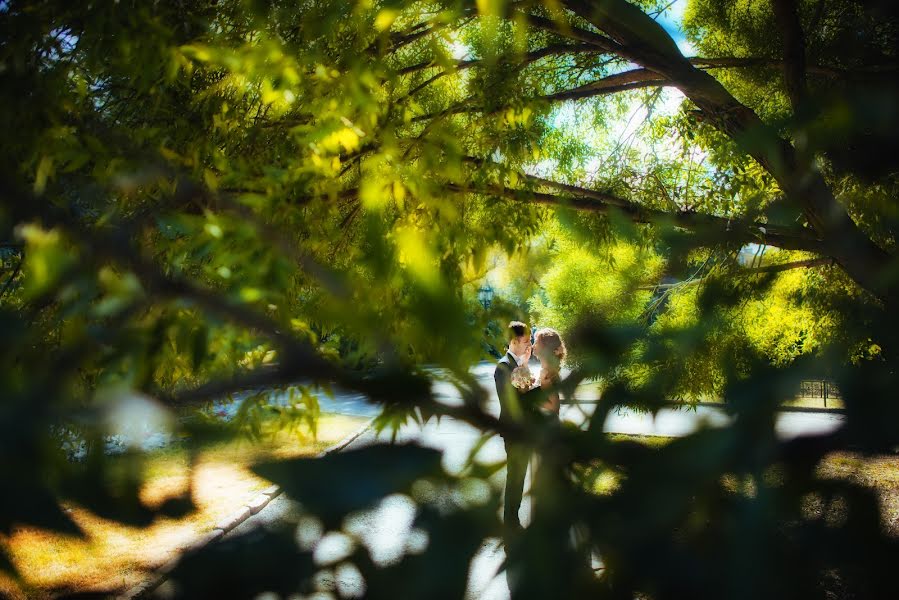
(799, 264)
(573, 190)
(799, 236)
(571, 32)
(527, 58)
(116, 245)
(715, 229)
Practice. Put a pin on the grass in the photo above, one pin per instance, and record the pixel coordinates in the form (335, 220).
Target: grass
(815, 403)
(592, 390)
(113, 557)
(799, 402)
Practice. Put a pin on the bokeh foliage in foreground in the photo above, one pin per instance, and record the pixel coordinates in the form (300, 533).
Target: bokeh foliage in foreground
(205, 197)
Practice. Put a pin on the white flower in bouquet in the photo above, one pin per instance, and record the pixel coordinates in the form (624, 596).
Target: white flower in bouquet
(522, 378)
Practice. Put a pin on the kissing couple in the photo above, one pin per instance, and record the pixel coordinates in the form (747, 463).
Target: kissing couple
(523, 398)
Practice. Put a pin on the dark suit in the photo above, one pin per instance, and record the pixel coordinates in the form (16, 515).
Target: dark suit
(517, 454)
(506, 392)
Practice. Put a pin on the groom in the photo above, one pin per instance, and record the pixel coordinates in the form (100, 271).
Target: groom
(517, 454)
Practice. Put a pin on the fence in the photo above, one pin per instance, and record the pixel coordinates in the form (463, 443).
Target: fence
(819, 388)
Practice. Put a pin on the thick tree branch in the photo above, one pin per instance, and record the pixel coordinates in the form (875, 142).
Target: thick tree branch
(781, 237)
(612, 84)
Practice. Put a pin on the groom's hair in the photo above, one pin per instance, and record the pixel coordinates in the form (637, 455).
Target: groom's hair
(517, 329)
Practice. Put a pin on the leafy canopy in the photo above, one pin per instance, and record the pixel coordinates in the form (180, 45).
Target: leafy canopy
(199, 198)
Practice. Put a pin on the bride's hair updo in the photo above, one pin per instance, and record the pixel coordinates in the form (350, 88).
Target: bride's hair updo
(551, 344)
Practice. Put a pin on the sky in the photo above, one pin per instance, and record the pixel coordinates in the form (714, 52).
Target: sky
(634, 117)
(671, 20)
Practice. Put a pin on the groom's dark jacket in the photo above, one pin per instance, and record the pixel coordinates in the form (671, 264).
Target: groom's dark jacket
(512, 403)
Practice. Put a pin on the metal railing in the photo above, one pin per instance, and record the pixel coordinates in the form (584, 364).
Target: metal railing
(819, 388)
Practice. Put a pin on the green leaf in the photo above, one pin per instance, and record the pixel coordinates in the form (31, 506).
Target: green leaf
(337, 484)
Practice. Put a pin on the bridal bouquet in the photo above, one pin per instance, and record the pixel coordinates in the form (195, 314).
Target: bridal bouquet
(522, 378)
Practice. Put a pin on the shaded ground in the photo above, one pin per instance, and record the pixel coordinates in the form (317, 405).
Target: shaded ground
(114, 557)
(880, 473)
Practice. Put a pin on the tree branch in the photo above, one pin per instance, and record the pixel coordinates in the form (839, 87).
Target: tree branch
(713, 62)
(398, 40)
(715, 229)
(527, 58)
(298, 359)
(573, 190)
(619, 82)
(727, 62)
(612, 84)
(569, 31)
(799, 264)
(781, 237)
(530, 57)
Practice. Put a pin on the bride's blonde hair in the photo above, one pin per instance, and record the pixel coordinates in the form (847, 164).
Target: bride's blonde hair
(553, 345)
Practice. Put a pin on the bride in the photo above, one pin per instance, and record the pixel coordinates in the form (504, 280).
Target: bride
(550, 350)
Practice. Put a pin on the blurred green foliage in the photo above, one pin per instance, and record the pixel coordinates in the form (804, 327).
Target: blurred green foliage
(205, 197)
